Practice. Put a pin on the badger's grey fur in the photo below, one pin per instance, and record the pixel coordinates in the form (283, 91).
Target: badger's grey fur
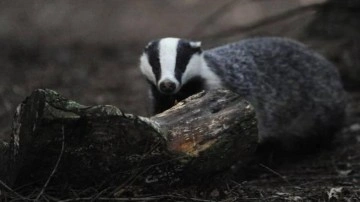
(297, 94)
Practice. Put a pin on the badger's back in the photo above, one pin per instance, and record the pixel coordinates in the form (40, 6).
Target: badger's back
(297, 94)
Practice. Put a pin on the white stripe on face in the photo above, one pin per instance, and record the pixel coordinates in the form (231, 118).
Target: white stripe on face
(167, 55)
(146, 68)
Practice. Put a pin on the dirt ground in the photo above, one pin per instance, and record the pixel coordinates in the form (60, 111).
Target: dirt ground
(93, 71)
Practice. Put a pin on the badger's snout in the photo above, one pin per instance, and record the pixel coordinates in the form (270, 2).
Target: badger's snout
(167, 86)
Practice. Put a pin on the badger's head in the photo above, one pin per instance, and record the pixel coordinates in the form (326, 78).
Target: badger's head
(169, 63)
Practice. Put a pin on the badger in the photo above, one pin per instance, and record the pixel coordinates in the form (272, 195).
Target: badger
(297, 94)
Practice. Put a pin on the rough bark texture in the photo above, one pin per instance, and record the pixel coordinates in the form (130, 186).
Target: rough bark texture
(210, 134)
(206, 133)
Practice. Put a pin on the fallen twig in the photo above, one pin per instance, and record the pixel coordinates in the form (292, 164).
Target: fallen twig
(150, 198)
(5, 186)
(55, 167)
(276, 173)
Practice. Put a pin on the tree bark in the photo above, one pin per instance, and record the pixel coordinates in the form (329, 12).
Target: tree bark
(204, 134)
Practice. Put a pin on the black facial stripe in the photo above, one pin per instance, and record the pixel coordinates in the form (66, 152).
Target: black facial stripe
(184, 54)
(152, 51)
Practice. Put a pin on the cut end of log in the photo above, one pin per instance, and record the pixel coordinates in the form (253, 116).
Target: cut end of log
(210, 126)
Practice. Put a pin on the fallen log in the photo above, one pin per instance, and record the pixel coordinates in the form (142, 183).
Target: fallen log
(91, 145)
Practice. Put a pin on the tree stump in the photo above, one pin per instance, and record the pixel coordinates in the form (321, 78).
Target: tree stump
(203, 134)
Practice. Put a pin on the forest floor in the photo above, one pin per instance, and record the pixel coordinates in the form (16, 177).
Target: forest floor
(107, 75)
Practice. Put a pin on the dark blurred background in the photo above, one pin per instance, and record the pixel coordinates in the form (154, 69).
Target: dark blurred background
(88, 50)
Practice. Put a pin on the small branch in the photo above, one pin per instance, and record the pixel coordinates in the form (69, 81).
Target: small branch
(150, 198)
(111, 199)
(276, 173)
(12, 191)
(56, 165)
(266, 21)
(218, 13)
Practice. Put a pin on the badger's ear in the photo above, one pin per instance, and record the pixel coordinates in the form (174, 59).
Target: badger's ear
(195, 44)
(148, 45)
(151, 44)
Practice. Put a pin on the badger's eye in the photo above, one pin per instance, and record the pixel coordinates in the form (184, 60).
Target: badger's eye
(181, 68)
(182, 60)
(156, 69)
(179, 71)
(155, 64)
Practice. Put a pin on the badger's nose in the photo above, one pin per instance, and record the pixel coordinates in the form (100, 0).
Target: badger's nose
(167, 87)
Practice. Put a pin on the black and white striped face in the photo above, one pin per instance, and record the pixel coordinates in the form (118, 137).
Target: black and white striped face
(169, 63)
